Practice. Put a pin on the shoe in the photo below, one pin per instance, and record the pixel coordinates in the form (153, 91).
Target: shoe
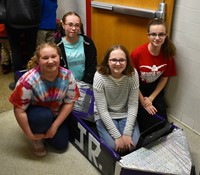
(38, 148)
(12, 86)
(6, 69)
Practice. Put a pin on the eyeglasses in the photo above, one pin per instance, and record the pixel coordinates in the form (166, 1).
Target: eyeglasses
(71, 25)
(159, 35)
(114, 60)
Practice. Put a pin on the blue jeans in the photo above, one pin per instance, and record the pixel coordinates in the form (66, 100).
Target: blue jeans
(40, 120)
(120, 124)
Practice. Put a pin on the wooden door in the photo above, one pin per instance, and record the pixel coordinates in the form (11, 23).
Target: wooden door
(108, 27)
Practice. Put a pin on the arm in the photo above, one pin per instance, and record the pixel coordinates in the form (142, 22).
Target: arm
(101, 103)
(22, 120)
(132, 111)
(63, 114)
(21, 99)
(107, 120)
(102, 106)
(71, 96)
(132, 105)
(159, 88)
(141, 98)
(147, 101)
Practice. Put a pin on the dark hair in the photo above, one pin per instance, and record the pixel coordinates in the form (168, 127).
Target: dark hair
(34, 60)
(104, 69)
(168, 48)
(76, 14)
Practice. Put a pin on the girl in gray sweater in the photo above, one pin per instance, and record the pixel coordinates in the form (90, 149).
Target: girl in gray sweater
(116, 89)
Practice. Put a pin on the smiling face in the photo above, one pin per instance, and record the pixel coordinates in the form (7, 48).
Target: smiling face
(49, 60)
(71, 25)
(117, 63)
(157, 35)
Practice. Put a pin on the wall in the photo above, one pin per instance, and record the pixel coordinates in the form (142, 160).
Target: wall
(183, 93)
(78, 6)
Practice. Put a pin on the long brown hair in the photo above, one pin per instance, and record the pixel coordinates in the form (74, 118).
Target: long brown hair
(104, 69)
(168, 48)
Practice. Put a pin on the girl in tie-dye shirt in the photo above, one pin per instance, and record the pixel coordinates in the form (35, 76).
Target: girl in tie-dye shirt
(43, 99)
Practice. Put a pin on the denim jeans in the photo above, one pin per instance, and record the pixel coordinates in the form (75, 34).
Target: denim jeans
(40, 120)
(120, 124)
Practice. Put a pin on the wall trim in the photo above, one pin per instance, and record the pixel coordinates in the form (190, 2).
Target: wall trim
(88, 17)
(171, 116)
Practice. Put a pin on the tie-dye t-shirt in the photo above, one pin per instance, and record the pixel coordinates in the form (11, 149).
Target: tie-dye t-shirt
(35, 90)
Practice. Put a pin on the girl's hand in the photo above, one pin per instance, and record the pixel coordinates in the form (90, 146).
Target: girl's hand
(146, 102)
(37, 137)
(151, 109)
(120, 145)
(129, 146)
(51, 132)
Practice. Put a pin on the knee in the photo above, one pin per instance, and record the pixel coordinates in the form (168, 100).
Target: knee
(111, 144)
(40, 118)
(37, 113)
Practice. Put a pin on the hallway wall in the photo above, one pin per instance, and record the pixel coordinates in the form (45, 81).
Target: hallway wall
(78, 6)
(183, 93)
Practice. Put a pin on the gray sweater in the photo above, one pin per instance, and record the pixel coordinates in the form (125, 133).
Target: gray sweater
(116, 99)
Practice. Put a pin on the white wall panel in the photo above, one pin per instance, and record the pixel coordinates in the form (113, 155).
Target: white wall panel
(188, 3)
(187, 53)
(187, 13)
(190, 27)
(79, 6)
(183, 91)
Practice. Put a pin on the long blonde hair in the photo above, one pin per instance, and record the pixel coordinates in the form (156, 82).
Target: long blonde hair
(34, 60)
